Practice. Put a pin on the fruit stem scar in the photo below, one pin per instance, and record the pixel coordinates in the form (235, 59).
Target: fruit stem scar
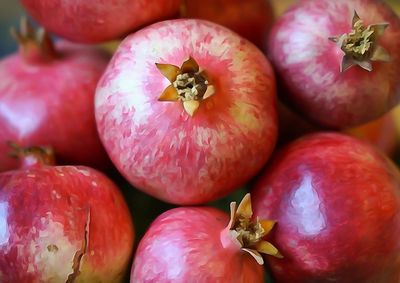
(249, 233)
(360, 45)
(189, 84)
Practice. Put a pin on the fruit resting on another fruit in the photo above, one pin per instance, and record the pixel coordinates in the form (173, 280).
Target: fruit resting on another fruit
(46, 98)
(186, 110)
(61, 224)
(337, 202)
(194, 244)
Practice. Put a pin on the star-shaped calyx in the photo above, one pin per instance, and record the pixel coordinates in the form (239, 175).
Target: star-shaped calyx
(189, 84)
(249, 233)
(360, 46)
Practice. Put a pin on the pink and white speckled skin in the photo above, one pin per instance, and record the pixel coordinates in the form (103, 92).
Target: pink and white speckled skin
(51, 104)
(90, 21)
(308, 62)
(188, 244)
(337, 204)
(156, 145)
(44, 213)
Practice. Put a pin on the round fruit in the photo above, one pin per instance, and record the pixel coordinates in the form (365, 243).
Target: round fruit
(251, 19)
(47, 98)
(192, 133)
(90, 21)
(339, 67)
(337, 202)
(61, 224)
(194, 244)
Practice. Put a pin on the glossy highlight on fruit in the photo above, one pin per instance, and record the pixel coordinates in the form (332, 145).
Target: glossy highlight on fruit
(201, 244)
(338, 61)
(186, 110)
(337, 203)
(62, 224)
(89, 21)
(47, 98)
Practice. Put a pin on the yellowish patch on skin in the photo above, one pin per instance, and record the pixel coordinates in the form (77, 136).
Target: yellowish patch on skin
(53, 253)
(242, 113)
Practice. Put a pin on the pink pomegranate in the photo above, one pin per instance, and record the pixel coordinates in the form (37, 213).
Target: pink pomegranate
(61, 224)
(91, 21)
(251, 19)
(339, 61)
(47, 98)
(337, 203)
(186, 110)
(197, 244)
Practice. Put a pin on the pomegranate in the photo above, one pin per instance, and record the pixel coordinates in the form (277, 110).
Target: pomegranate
(251, 19)
(337, 202)
(91, 21)
(381, 133)
(47, 98)
(61, 223)
(338, 67)
(197, 244)
(186, 110)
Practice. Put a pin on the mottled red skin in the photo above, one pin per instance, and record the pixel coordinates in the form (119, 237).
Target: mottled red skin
(337, 204)
(155, 144)
(190, 244)
(48, 205)
(52, 104)
(307, 62)
(252, 19)
(91, 21)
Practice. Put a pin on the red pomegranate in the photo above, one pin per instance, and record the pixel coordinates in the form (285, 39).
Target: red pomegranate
(61, 224)
(338, 61)
(90, 21)
(337, 203)
(197, 244)
(251, 19)
(47, 98)
(186, 110)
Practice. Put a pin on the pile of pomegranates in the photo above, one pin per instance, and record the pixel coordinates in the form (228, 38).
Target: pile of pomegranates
(246, 145)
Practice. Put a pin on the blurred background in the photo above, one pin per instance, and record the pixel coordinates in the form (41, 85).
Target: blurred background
(11, 11)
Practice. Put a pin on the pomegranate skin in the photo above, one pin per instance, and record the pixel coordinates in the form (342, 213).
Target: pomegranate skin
(184, 245)
(337, 204)
(47, 214)
(252, 19)
(52, 103)
(308, 63)
(91, 21)
(155, 144)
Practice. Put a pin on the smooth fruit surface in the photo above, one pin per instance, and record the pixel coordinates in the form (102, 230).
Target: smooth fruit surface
(252, 19)
(337, 203)
(89, 21)
(52, 103)
(157, 145)
(62, 224)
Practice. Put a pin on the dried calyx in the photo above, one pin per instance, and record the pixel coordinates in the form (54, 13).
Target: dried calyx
(249, 233)
(189, 84)
(35, 45)
(32, 156)
(361, 45)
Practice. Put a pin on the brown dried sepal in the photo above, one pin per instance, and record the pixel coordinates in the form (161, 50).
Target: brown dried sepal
(250, 233)
(33, 154)
(35, 44)
(360, 46)
(189, 84)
